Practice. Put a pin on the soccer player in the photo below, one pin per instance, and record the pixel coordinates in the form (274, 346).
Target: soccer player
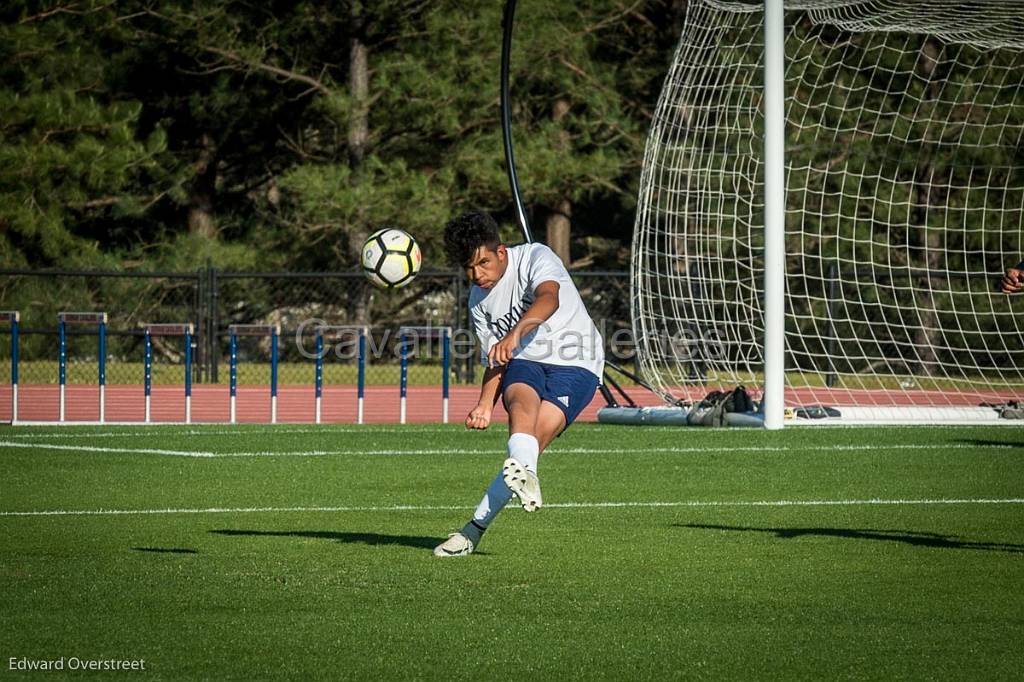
(543, 355)
(1013, 279)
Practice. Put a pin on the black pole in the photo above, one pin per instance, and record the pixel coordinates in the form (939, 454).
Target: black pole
(609, 399)
(833, 335)
(213, 339)
(614, 384)
(510, 159)
(639, 381)
(506, 121)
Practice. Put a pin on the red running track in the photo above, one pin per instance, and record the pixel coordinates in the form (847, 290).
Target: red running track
(295, 403)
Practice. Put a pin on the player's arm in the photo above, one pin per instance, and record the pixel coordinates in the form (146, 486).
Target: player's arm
(1013, 279)
(480, 416)
(545, 304)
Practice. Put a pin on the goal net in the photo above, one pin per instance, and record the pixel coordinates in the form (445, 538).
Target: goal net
(904, 178)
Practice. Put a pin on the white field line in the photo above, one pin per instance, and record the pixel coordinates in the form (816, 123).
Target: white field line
(563, 505)
(70, 429)
(208, 454)
(89, 448)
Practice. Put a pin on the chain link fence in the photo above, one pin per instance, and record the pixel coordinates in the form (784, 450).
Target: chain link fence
(213, 300)
(131, 300)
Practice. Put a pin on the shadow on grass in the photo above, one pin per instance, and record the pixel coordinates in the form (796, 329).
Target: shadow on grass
(374, 539)
(988, 443)
(905, 536)
(165, 550)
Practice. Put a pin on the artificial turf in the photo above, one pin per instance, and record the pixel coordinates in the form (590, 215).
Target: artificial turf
(254, 552)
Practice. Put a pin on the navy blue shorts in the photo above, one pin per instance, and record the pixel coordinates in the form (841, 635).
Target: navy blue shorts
(570, 389)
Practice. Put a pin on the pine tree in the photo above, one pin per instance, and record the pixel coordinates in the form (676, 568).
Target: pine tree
(72, 159)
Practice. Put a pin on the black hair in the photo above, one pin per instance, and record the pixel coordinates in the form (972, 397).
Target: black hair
(467, 233)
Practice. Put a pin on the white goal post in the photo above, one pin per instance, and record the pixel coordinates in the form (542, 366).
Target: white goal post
(900, 194)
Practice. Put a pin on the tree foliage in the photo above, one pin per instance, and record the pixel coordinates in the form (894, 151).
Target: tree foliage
(163, 134)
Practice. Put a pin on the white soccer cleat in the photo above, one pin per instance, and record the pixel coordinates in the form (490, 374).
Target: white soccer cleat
(457, 544)
(523, 483)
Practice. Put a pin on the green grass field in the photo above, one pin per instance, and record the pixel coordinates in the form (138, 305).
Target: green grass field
(300, 552)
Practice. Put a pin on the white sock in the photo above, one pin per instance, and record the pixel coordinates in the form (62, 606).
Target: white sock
(495, 499)
(525, 449)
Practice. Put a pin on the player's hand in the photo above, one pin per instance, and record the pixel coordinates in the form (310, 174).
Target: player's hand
(501, 352)
(479, 417)
(1013, 281)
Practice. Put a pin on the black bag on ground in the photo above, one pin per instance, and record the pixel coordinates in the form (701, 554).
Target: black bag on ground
(739, 401)
(712, 409)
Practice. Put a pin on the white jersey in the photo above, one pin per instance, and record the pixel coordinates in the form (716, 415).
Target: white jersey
(568, 338)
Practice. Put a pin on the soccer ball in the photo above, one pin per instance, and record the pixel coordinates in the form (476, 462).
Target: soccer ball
(391, 258)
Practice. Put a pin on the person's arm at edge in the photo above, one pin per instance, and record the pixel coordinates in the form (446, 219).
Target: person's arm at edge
(480, 416)
(1013, 279)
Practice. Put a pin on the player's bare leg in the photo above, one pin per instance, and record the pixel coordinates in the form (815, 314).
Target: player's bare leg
(550, 422)
(522, 404)
(533, 424)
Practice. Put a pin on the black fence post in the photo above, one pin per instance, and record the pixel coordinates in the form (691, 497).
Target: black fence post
(198, 356)
(212, 341)
(471, 358)
(833, 297)
(460, 371)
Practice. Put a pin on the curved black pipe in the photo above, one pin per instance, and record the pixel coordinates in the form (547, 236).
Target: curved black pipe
(506, 120)
(510, 161)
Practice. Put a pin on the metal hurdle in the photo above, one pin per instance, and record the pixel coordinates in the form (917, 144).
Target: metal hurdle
(186, 330)
(12, 316)
(362, 331)
(445, 334)
(274, 332)
(99, 319)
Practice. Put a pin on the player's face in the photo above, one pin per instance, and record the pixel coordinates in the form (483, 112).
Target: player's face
(487, 266)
